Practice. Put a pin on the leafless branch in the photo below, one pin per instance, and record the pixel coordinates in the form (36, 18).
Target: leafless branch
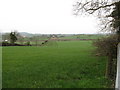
(101, 8)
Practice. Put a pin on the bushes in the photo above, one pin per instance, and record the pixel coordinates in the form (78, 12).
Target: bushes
(10, 44)
(108, 47)
(28, 43)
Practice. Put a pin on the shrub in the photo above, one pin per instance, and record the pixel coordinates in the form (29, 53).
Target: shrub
(28, 43)
(108, 47)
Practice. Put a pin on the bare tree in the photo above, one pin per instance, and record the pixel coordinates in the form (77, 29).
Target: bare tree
(6, 36)
(101, 8)
(108, 12)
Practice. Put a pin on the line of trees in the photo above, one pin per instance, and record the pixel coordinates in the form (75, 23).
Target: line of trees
(15, 37)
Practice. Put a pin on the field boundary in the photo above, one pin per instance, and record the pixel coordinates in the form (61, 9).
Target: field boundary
(69, 40)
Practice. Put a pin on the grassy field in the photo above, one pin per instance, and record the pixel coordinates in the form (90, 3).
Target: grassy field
(67, 64)
(84, 36)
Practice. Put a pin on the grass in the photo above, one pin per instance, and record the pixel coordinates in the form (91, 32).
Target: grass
(65, 65)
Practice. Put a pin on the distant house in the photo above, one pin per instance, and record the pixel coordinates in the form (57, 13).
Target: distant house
(4, 40)
(53, 37)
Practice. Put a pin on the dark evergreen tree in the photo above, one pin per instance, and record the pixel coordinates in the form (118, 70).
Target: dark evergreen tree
(13, 37)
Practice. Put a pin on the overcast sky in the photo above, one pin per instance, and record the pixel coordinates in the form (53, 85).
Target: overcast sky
(43, 16)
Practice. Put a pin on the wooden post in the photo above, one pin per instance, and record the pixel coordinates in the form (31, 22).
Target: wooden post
(117, 85)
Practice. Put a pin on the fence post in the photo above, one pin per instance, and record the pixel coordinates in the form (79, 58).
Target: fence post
(117, 85)
(0, 67)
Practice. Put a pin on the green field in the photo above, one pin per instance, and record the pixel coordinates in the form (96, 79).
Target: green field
(84, 36)
(68, 64)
